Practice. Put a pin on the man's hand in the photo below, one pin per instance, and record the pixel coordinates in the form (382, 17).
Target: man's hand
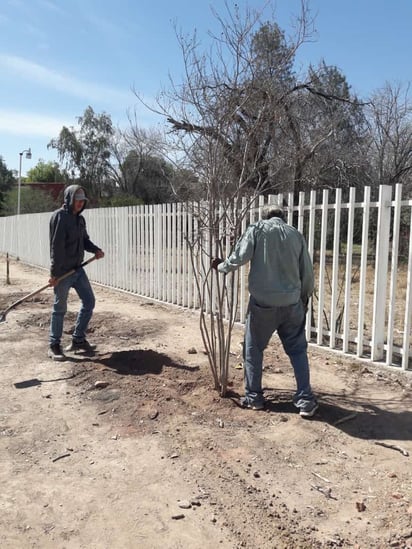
(99, 254)
(53, 281)
(215, 262)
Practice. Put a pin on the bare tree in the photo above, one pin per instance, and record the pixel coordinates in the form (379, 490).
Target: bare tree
(232, 122)
(390, 146)
(226, 124)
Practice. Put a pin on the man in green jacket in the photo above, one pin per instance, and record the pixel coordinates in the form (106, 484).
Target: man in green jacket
(280, 284)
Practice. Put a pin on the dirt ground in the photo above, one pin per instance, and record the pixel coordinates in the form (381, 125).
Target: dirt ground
(132, 447)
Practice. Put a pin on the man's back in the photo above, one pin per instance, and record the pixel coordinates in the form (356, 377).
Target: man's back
(275, 276)
(281, 270)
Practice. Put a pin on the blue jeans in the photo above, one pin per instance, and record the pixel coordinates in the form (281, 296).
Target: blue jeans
(81, 284)
(261, 323)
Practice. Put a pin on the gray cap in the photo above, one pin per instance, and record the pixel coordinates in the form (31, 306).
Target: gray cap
(80, 195)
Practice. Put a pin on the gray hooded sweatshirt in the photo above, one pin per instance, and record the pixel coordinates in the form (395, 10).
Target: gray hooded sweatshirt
(68, 236)
(281, 271)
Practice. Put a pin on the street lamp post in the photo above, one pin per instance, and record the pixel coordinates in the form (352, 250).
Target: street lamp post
(28, 155)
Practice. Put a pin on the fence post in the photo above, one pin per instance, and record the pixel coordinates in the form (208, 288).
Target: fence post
(363, 269)
(7, 269)
(311, 250)
(394, 272)
(348, 270)
(381, 271)
(322, 264)
(408, 307)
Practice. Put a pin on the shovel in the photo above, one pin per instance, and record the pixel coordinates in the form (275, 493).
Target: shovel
(32, 294)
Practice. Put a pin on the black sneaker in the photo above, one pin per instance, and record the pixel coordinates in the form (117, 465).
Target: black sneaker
(84, 345)
(308, 408)
(55, 352)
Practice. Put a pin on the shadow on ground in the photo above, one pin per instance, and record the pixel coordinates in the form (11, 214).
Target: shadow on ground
(141, 362)
(366, 419)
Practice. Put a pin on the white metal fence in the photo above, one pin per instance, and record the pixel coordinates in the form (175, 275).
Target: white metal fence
(362, 252)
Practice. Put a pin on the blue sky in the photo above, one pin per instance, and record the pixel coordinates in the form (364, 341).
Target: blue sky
(59, 56)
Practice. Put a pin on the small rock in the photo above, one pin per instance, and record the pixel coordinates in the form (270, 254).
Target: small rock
(178, 517)
(101, 384)
(153, 414)
(192, 351)
(256, 474)
(360, 506)
(174, 455)
(184, 504)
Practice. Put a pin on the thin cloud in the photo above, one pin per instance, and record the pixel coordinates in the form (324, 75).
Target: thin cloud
(30, 124)
(61, 82)
(53, 7)
(104, 25)
(35, 31)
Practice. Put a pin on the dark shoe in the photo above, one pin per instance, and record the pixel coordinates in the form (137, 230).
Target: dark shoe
(84, 345)
(307, 408)
(247, 402)
(55, 352)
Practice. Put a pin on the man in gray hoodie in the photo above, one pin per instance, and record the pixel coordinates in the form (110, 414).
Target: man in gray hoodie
(68, 242)
(280, 284)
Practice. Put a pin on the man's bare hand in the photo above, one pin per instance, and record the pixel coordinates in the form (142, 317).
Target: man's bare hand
(215, 262)
(99, 254)
(53, 281)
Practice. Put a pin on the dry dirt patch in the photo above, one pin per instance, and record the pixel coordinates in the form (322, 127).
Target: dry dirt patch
(104, 450)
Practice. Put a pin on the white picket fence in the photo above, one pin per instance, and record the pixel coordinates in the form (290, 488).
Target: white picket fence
(363, 298)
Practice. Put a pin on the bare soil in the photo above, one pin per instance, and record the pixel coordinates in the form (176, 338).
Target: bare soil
(133, 448)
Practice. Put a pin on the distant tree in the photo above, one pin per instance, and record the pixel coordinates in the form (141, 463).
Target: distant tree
(145, 170)
(390, 145)
(85, 151)
(118, 200)
(47, 172)
(31, 201)
(7, 180)
(327, 128)
(150, 176)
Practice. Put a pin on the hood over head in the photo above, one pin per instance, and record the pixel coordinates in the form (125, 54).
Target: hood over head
(69, 197)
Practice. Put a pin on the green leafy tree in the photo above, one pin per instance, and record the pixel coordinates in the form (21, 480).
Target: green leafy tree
(118, 200)
(85, 151)
(47, 172)
(151, 178)
(326, 128)
(7, 180)
(31, 201)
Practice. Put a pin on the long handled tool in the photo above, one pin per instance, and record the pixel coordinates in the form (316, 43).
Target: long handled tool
(32, 294)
